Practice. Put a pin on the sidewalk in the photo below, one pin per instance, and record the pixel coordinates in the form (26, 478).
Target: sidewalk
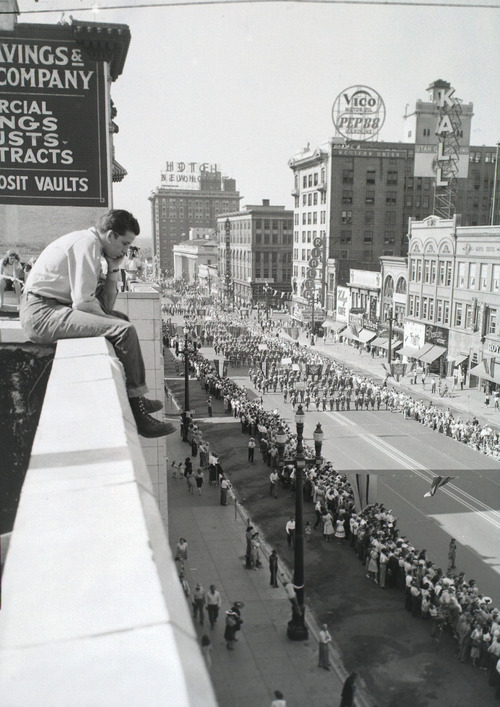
(264, 658)
(466, 403)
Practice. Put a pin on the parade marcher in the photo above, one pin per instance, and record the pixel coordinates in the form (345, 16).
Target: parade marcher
(233, 624)
(273, 569)
(273, 483)
(70, 293)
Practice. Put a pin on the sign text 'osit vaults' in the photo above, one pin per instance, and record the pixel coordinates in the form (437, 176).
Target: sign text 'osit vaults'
(53, 121)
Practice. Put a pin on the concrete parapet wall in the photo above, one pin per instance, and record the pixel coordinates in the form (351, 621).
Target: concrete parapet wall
(92, 609)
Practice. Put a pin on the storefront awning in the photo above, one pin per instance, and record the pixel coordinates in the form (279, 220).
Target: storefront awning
(484, 370)
(334, 326)
(349, 334)
(432, 354)
(365, 335)
(379, 341)
(457, 359)
(410, 351)
(422, 350)
(394, 344)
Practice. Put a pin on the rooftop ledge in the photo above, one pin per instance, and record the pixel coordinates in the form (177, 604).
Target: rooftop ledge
(92, 608)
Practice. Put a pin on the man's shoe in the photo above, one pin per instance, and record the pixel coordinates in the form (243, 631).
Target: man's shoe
(147, 426)
(151, 406)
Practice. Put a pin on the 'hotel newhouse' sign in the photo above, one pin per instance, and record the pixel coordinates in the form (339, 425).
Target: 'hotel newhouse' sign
(53, 122)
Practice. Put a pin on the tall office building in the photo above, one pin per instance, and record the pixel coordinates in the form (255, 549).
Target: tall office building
(191, 195)
(360, 195)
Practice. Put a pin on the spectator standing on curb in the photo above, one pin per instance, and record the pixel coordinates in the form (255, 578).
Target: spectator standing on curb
(273, 569)
(452, 554)
(251, 449)
(324, 652)
(181, 549)
(290, 531)
(348, 691)
(273, 483)
(213, 603)
(199, 603)
(225, 485)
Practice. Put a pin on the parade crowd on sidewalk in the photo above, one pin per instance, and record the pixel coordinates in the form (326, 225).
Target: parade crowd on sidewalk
(446, 599)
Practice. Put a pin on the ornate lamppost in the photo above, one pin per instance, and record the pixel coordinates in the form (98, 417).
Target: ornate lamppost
(318, 435)
(297, 629)
(186, 352)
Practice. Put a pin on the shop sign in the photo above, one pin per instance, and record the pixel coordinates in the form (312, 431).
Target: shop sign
(53, 123)
(358, 113)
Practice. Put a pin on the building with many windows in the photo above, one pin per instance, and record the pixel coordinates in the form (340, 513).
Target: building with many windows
(361, 195)
(255, 254)
(453, 301)
(177, 209)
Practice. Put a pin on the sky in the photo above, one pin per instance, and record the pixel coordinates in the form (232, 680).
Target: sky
(249, 85)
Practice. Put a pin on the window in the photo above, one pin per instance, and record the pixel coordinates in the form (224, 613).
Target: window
(370, 176)
(348, 176)
(472, 276)
(448, 274)
(304, 181)
(446, 312)
(431, 309)
(413, 270)
(346, 217)
(392, 177)
(439, 310)
(411, 305)
(427, 271)
(419, 271)
(461, 275)
(390, 218)
(315, 179)
(458, 314)
(369, 218)
(390, 198)
(495, 278)
(370, 197)
(491, 321)
(309, 199)
(433, 271)
(310, 180)
(468, 316)
(345, 237)
(417, 306)
(409, 184)
(401, 286)
(389, 237)
(367, 237)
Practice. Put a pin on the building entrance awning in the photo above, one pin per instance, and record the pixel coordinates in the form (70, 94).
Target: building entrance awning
(409, 351)
(365, 335)
(379, 341)
(349, 334)
(432, 354)
(394, 344)
(486, 371)
(333, 325)
(457, 359)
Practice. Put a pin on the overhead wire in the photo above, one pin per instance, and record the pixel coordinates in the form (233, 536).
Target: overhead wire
(192, 3)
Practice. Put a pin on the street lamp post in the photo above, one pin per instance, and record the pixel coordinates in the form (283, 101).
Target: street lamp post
(186, 413)
(297, 629)
(318, 435)
(389, 345)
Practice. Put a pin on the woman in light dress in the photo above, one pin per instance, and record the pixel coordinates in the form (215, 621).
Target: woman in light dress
(328, 530)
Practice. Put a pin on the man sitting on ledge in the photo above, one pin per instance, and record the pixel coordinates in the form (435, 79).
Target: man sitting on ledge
(67, 295)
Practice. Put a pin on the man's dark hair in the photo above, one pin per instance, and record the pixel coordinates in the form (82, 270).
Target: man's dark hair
(119, 221)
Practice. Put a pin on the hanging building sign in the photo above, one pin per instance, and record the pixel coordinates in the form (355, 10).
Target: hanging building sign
(53, 122)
